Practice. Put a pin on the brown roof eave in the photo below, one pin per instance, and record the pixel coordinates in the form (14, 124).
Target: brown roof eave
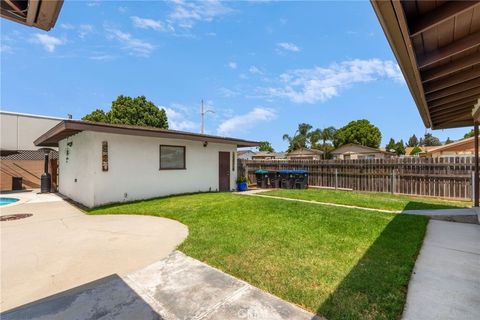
(403, 51)
(68, 128)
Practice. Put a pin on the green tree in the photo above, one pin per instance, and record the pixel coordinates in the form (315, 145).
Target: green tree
(265, 146)
(322, 135)
(397, 147)
(416, 150)
(430, 140)
(300, 139)
(360, 132)
(448, 141)
(391, 145)
(412, 141)
(469, 134)
(97, 116)
(133, 111)
(400, 147)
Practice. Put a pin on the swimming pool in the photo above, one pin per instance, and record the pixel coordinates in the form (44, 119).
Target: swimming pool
(4, 201)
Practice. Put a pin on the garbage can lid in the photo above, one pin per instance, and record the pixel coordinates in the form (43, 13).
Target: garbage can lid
(261, 171)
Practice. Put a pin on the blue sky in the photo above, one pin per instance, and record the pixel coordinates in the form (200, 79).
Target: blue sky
(263, 67)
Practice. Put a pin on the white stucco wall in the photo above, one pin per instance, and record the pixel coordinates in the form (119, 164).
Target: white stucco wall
(133, 172)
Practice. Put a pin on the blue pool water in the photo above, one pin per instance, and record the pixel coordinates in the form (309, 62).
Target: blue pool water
(5, 201)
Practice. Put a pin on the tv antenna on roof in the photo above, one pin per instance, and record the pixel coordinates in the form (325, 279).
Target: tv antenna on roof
(203, 117)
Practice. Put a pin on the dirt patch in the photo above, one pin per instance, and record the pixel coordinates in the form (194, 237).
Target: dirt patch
(17, 216)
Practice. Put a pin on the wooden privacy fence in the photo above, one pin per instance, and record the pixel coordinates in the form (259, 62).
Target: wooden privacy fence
(436, 177)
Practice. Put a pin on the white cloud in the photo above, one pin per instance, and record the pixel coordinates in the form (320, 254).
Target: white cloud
(177, 121)
(84, 30)
(288, 46)
(122, 9)
(321, 84)
(67, 26)
(145, 23)
(232, 65)
(102, 57)
(228, 93)
(4, 48)
(186, 14)
(93, 3)
(48, 42)
(254, 70)
(243, 123)
(135, 46)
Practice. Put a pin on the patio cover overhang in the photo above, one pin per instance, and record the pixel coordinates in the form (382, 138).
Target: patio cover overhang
(69, 128)
(437, 45)
(34, 13)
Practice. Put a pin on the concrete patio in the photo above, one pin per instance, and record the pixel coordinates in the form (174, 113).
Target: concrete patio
(60, 247)
(177, 287)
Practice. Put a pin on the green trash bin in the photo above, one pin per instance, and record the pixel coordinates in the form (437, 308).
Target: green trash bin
(262, 178)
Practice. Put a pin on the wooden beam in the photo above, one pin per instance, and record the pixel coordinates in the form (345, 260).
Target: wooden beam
(464, 110)
(465, 43)
(465, 105)
(439, 15)
(394, 24)
(14, 6)
(452, 118)
(433, 86)
(456, 89)
(32, 11)
(446, 69)
(475, 92)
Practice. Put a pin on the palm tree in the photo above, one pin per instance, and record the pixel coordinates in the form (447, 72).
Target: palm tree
(314, 137)
(300, 138)
(328, 134)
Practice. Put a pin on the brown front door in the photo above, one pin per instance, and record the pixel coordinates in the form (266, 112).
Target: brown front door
(224, 171)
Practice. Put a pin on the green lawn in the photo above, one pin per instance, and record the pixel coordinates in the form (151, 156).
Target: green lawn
(337, 262)
(374, 200)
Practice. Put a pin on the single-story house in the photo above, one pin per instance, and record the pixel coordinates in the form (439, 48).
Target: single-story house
(245, 154)
(423, 151)
(268, 155)
(305, 154)
(355, 151)
(22, 163)
(105, 163)
(464, 147)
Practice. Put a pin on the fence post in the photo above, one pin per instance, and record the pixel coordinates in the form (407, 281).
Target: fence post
(473, 186)
(394, 182)
(336, 178)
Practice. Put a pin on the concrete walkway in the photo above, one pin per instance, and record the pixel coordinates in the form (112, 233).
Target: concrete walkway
(446, 279)
(175, 288)
(60, 247)
(257, 193)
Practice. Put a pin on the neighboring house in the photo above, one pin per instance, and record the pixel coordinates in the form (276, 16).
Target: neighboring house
(305, 154)
(464, 147)
(422, 153)
(245, 154)
(355, 151)
(263, 155)
(105, 163)
(19, 157)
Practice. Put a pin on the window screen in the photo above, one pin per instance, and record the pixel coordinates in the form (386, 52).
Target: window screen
(172, 157)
